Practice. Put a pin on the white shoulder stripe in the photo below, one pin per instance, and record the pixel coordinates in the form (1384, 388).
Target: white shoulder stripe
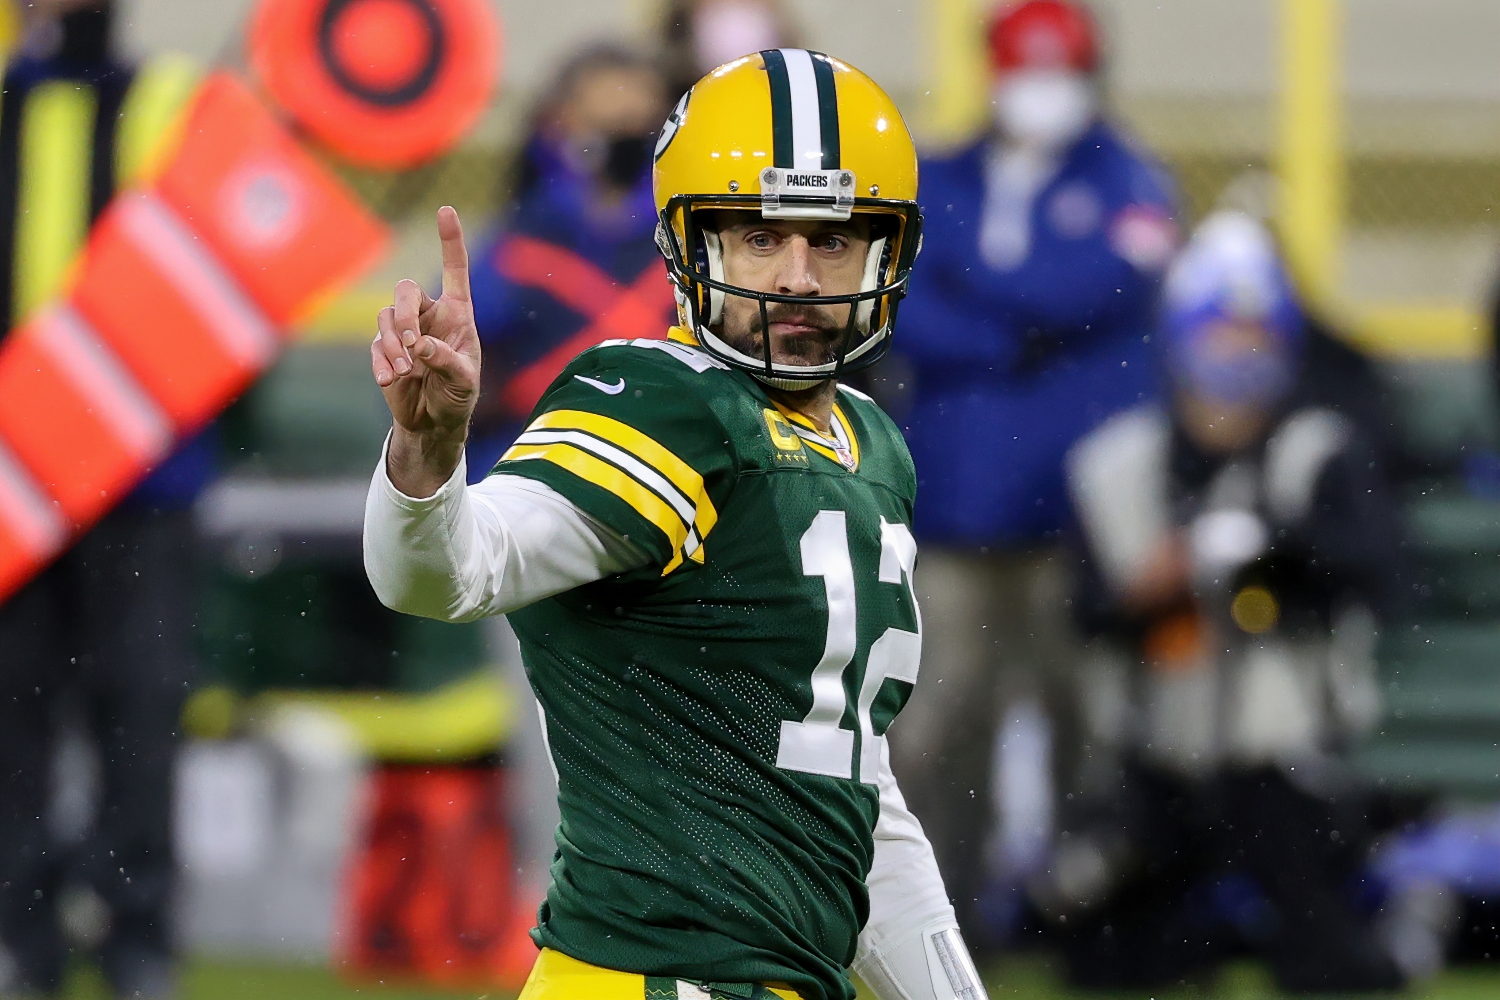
(695, 359)
(639, 470)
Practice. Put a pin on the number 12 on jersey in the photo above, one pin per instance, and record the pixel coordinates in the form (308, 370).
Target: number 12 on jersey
(816, 744)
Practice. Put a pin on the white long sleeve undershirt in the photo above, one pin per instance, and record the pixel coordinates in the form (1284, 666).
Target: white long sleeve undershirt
(468, 552)
(506, 542)
(910, 948)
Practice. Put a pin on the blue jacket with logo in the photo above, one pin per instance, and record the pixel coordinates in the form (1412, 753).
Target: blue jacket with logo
(562, 274)
(1012, 365)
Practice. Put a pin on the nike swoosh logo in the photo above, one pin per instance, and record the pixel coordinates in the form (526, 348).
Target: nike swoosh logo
(604, 387)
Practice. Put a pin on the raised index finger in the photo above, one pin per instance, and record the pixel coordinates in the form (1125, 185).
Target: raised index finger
(455, 254)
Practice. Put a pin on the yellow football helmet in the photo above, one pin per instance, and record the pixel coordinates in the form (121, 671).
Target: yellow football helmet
(790, 134)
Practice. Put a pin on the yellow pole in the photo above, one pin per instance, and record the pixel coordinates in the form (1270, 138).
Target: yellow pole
(1310, 159)
(957, 72)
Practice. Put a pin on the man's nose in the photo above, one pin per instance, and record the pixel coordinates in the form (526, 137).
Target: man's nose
(798, 276)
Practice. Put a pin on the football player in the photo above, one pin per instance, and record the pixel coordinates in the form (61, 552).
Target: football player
(704, 546)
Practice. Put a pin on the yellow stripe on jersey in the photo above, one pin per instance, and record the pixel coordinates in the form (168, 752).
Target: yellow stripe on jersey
(849, 440)
(826, 452)
(849, 434)
(599, 472)
(645, 448)
(556, 976)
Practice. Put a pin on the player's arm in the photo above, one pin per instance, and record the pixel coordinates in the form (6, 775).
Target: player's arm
(470, 551)
(433, 547)
(910, 948)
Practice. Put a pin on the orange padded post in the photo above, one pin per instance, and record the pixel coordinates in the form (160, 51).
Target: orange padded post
(74, 417)
(32, 530)
(183, 327)
(182, 298)
(277, 221)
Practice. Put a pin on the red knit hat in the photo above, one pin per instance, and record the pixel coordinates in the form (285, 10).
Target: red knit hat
(1044, 34)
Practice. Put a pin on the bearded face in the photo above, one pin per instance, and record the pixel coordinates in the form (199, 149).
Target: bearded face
(804, 258)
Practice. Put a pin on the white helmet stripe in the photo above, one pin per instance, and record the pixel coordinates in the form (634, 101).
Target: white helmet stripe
(807, 124)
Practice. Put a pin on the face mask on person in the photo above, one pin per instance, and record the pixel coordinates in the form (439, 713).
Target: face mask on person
(1233, 363)
(626, 158)
(1230, 323)
(1046, 109)
(619, 161)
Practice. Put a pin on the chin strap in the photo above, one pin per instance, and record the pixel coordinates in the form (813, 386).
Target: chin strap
(787, 384)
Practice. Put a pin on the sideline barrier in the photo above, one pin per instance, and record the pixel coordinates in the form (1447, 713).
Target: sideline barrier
(429, 894)
(182, 297)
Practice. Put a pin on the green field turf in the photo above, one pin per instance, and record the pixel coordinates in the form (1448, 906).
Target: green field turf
(1028, 977)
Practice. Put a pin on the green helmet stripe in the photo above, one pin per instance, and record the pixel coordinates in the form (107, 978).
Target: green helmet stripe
(828, 110)
(782, 154)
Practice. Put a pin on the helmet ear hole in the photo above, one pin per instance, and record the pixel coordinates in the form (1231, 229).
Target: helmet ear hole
(883, 273)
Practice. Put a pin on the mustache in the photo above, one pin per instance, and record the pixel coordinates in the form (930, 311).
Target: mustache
(784, 312)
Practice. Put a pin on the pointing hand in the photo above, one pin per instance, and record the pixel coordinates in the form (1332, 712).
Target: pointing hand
(426, 361)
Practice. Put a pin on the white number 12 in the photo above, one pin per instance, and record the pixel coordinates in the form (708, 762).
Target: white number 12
(816, 744)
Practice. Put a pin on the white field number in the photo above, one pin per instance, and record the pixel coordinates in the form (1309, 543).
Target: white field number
(816, 744)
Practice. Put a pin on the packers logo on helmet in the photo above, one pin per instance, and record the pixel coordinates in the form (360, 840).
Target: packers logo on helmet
(674, 122)
(790, 134)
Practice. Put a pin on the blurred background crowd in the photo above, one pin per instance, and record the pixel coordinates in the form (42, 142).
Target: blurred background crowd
(1197, 369)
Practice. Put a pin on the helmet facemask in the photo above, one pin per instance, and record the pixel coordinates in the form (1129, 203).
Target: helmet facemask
(703, 288)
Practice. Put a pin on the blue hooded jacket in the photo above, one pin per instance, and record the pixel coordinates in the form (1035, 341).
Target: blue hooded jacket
(1011, 366)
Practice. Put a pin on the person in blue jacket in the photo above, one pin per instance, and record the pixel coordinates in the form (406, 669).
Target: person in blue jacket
(1027, 324)
(573, 262)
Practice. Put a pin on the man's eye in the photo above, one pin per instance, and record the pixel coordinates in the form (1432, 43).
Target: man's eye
(761, 241)
(833, 244)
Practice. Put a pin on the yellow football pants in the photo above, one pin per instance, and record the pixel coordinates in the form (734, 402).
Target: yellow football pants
(555, 976)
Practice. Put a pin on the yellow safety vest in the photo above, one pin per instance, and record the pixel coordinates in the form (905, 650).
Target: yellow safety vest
(61, 177)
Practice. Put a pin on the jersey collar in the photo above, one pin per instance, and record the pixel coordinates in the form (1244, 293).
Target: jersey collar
(841, 447)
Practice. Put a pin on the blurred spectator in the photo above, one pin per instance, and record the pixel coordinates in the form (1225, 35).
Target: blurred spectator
(1240, 550)
(1332, 371)
(573, 263)
(100, 645)
(700, 35)
(1027, 325)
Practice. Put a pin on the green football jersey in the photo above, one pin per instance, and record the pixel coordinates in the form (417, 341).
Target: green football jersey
(716, 719)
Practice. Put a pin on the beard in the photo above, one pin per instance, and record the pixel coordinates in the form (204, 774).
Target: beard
(820, 347)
